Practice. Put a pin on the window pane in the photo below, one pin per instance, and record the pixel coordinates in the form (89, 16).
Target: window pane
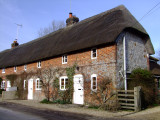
(94, 82)
(62, 81)
(94, 53)
(37, 84)
(66, 82)
(62, 86)
(94, 87)
(159, 83)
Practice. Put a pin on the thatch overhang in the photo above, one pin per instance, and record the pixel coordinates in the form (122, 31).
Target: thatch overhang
(97, 30)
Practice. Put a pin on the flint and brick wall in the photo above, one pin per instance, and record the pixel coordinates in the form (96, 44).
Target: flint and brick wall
(103, 66)
(136, 55)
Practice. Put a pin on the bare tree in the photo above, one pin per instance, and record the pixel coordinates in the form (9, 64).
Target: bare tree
(51, 28)
(48, 77)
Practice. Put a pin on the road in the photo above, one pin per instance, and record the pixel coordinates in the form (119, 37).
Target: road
(12, 111)
(7, 114)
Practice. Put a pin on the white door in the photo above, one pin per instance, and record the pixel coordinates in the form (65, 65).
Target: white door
(30, 89)
(78, 95)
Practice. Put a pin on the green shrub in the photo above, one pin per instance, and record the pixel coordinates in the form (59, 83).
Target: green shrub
(58, 101)
(143, 78)
(93, 107)
(46, 101)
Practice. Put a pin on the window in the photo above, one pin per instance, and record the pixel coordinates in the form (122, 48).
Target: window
(3, 85)
(64, 59)
(3, 70)
(24, 84)
(94, 53)
(63, 82)
(38, 84)
(93, 82)
(25, 67)
(15, 69)
(8, 84)
(39, 64)
(158, 83)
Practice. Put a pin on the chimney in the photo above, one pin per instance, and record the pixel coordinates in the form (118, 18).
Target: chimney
(70, 15)
(14, 44)
(72, 19)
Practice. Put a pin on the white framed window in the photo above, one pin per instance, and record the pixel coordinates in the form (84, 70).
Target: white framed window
(3, 70)
(94, 53)
(64, 59)
(24, 84)
(158, 83)
(25, 67)
(8, 83)
(63, 82)
(38, 84)
(39, 64)
(94, 82)
(3, 85)
(15, 68)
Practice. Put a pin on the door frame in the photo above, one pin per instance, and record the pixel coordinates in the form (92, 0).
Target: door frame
(78, 76)
(30, 80)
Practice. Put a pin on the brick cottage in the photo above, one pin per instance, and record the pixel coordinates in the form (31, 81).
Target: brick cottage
(102, 46)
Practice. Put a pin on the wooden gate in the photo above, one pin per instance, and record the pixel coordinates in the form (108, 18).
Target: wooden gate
(130, 99)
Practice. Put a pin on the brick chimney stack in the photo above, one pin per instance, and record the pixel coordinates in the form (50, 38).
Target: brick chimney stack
(14, 44)
(72, 19)
(70, 15)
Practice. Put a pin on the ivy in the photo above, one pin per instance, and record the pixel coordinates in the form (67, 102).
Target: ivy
(12, 78)
(70, 73)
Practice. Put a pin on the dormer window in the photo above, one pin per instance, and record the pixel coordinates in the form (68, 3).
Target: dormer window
(25, 67)
(64, 59)
(39, 64)
(3, 70)
(94, 53)
(15, 69)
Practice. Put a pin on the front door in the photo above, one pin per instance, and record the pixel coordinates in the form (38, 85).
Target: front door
(30, 89)
(78, 95)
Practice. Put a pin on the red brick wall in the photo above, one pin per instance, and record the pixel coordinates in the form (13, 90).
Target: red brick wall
(104, 65)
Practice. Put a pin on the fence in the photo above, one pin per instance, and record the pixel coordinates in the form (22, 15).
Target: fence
(130, 99)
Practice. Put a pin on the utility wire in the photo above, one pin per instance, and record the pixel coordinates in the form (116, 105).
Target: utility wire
(149, 11)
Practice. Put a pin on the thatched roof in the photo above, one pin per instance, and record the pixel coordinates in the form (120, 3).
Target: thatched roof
(99, 29)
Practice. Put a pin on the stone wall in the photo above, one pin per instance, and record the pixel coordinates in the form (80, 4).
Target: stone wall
(136, 55)
(9, 95)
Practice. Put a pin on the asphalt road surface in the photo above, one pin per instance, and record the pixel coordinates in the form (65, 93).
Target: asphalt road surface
(7, 114)
(12, 111)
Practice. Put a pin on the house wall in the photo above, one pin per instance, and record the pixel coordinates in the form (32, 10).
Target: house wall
(136, 55)
(103, 66)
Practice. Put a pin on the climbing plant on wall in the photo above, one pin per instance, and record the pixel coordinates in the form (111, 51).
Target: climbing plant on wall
(70, 71)
(12, 78)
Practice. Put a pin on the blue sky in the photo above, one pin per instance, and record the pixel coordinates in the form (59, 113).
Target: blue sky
(36, 14)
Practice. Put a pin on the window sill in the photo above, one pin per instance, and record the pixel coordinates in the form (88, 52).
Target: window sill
(94, 58)
(38, 89)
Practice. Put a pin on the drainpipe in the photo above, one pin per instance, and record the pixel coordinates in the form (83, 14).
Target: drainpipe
(124, 63)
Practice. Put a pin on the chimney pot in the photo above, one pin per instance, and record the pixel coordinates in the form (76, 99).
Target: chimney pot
(70, 15)
(72, 19)
(14, 44)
